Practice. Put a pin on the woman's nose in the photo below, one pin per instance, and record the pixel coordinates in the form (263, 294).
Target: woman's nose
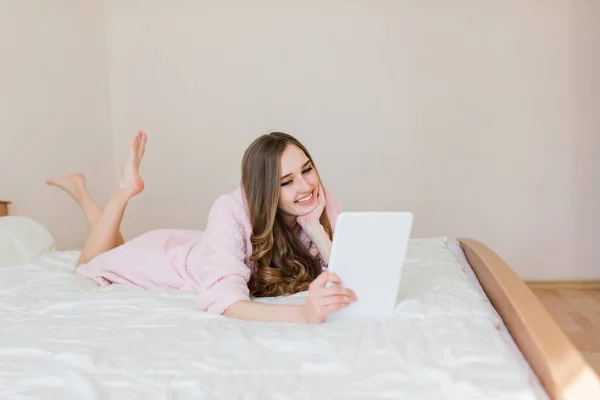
(304, 185)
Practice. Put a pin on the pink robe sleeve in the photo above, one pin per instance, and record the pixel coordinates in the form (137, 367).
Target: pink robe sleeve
(332, 208)
(219, 265)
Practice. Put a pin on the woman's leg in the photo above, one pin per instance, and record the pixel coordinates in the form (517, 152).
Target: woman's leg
(74, 185)
(104, 235)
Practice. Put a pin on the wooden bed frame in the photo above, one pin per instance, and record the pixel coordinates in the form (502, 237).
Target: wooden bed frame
(560, 367)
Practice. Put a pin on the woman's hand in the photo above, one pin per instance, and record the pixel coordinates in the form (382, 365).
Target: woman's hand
(310, 222)
(322, 300)
(311, 225)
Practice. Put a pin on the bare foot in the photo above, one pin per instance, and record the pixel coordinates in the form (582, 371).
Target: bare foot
(131, 182)
(73, 184)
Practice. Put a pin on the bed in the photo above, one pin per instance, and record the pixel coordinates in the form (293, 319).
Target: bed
(465, 327)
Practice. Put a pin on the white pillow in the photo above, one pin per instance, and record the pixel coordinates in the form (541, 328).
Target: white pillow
(22, 239)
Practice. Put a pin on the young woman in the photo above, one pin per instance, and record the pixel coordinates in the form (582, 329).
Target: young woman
(269, 237)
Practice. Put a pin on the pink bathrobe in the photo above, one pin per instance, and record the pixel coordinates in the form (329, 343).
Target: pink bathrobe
(214, 262)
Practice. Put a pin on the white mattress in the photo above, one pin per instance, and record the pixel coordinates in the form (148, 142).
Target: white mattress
(63, 337)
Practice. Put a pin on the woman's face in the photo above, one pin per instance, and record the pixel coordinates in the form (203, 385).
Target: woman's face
(299, 183)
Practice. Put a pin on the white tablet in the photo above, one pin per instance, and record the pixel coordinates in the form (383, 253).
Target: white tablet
(367, 254)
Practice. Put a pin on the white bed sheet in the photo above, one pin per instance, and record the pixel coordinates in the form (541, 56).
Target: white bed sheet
(466, 267)
(63, 337)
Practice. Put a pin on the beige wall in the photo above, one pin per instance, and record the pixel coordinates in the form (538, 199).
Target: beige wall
(478, 117)
(54, 108)
(586, 172)
(469, 115)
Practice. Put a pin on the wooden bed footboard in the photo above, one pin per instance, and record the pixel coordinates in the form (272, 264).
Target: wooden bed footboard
(560, 367)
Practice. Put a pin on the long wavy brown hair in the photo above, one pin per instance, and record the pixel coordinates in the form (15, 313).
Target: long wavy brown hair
(284, 265)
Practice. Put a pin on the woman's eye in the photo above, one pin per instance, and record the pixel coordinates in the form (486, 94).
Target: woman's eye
(307, 170)
(286, 183)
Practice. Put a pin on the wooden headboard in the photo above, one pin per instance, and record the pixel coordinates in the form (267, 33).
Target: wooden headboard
(4, 208)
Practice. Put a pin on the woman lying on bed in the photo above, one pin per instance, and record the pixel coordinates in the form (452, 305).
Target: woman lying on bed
(269, 237)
